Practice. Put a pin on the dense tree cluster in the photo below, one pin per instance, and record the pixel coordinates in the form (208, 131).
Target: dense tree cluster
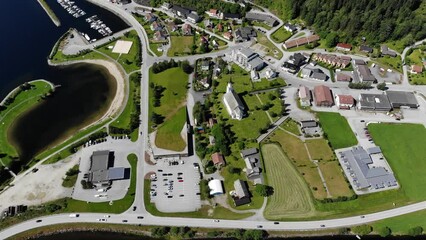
(200, 6)
(164, 65)
(377, 21)
(223, 138)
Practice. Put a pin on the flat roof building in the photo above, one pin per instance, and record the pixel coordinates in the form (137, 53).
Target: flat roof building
(101, 172)
(374, 102)
(402, 99)
(215, 187)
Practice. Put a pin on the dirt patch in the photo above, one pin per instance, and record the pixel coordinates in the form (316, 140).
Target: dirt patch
(148, 159)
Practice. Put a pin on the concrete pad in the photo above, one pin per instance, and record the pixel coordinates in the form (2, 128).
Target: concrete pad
(122, 47)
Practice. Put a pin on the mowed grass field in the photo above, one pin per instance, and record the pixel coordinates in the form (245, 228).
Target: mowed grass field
(338, 131)
(333, 175)
(291, 198)
(169, 134)
(404, 148)
(280, 35)
(319, 149)
(180, 45)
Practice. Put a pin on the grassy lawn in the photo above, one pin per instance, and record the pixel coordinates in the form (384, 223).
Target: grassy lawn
(291, 198)
(337, 130)
(401, 224)
(291, 126)
(336, 182)
(23, 101)
(300, 34)
(402, 145)
(118, 206)
(128, 61)
(69, 181)
(154, 49)
(416, 56)
(169, 134)
(297, 154)
(240, 80)
(390, 62)
(267, 84)
(417, 79)
(319, 149)
(59, 57)
(180, 45)
(271, 50)
(280, 35)
(215, 212)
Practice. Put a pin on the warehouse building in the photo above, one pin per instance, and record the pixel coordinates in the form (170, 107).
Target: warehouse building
(402, 99)
(374, 102)
(102, 172)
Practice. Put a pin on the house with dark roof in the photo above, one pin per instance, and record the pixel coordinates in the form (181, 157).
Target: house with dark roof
(231, 16)
(290, 27)
(366, 49)
(253, 170)
(245, 34)
(180, 11)
(150, 17)
(323, 96)
(101, 172)
(156, 26)
(159, 36)
(289, 67)
(297, 59)
(386, 51)
(364, 73)
(241, 194)
(193, 17)
(263, 18)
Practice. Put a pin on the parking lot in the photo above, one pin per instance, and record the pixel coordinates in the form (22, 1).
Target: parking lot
(176, 186)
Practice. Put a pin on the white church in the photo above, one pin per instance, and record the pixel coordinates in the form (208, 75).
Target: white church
(233, 103)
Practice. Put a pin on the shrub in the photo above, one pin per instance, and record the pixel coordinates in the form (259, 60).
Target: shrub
(362, 229)
(415, 231)
(385, 231)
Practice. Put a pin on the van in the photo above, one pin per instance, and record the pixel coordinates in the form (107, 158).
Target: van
(74, 215)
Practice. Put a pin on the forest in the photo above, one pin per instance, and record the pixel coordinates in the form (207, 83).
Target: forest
(378, 21)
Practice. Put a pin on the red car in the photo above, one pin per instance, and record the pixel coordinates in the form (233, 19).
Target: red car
(181, 180)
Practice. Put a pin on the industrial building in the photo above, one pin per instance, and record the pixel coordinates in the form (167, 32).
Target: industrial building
(402, 99)
(374, 102)
(102, 172)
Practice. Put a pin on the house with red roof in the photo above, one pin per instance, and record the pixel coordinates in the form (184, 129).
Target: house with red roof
(344, 47)
(345, 101)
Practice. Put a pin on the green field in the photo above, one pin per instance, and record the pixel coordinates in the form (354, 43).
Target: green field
(390, 62)
(333, 175)
(280, 35)
(403, 147)
(169, 134)
(337, 130)
(319, 149)
(271, 49)
(118, 206)
(291, 126)
(23, 101)
(291, 198)
(128, 61)
(180, 45)
(401, 224)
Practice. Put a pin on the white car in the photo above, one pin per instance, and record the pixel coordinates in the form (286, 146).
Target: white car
(107, 216)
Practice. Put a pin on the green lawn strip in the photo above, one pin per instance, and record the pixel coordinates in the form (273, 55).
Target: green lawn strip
(300, 34)
(416, 57)
(240, 80)
(271, 97)
(59, 156)
(291, 126)
(268, 84)
(69, 181)
(154, 49)
(169, 133)
(319, 149)
(59, 57)
(403, 147)
(401, 224)
(23, 101)
(291, 197)
(272, 50)
(218, 212)
(180, 46)
(337, 130)
(118, 206)
(390, 62)
(261, 24)
(280, 35)
(129, 60)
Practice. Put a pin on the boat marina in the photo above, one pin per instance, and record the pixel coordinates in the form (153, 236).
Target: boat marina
(72, 8)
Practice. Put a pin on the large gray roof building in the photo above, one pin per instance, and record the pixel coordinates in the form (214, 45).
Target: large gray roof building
(267, 19)
(357, 163)
(374, 102)
(252, 160)
(100, 171)
(402, 99)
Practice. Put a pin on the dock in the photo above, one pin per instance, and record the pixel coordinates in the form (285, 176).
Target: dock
(50, 12)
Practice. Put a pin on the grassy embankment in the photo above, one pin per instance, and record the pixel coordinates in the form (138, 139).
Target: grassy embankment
(20, 101)
(172, 107)
(71, 177)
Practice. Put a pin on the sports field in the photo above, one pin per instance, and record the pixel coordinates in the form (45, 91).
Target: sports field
(292, 197)
(337, 130)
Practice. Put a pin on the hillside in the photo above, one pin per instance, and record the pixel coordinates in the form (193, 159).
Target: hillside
(378, 21)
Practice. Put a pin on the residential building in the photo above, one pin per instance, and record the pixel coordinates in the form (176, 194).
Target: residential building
(213, 13)
(216, 187)
(290, 27)
(366, 49)
(363, 174)
(207, 23)
(231, 16)
(386, 51)
(308, 123)
(166, 6)
(318, 74)
(193, 17)
(364, 73)
(374, 102)
(305, 96)
(218, 160)
(341, 77)
(263, 18)
(233, 103)
(172, 26)
(270, 74)
(416, 69)
(323, 96)
(220, 27)
(333, 60)
(228, 36)
(150, 17)
(247, 59)
(300, 41)
(186, 29)
(345, 101)
(251, 158)
(289, 67)
(156, 26)
(241, 194)
(180, 11)
(305, 73)
(254, 75)
(400, 99)
(245, 34)
(297, 59)
(159, 36)
(344, 47)
(205, 65)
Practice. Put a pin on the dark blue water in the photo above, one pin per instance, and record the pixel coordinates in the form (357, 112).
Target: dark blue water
(26, 39)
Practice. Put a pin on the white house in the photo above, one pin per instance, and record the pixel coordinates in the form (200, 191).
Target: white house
(233, 103)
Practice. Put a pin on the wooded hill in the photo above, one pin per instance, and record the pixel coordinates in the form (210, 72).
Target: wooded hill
(379, 21)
